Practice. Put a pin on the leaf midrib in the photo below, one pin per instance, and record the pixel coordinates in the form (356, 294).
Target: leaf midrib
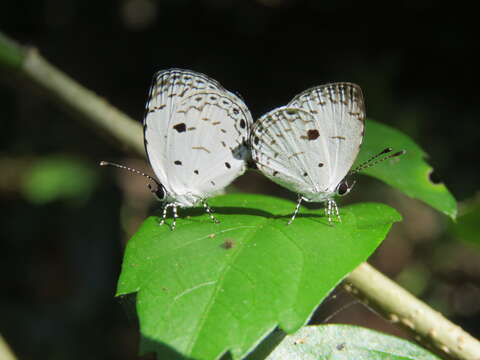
(217, 287)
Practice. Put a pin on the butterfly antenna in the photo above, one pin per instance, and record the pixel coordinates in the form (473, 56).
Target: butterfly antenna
(135, 171)
(376, 159)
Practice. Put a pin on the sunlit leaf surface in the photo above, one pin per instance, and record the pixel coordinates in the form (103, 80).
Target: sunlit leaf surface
(205, 289)
(410, 173)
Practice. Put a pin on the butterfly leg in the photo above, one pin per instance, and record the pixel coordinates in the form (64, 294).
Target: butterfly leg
(164, 216)
(331, 208)
(328, 211)
(175, 216)
(297, 208)
(337, 213)
(209, 211)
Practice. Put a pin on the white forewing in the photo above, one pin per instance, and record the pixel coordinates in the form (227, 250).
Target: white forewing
(310, 145)
(195, 135)
(339, 113)
(278, 149)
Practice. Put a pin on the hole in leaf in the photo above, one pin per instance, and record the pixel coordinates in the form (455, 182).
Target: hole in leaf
(434, 177)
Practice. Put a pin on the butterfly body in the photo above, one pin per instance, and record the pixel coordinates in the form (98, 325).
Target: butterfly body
(195, 135)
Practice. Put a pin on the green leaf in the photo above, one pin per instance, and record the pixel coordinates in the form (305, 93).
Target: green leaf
(58, 177)
(409, 173)
(468, 226)
(205, 289)
(344, 342)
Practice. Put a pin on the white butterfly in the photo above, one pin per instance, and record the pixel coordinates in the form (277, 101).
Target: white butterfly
(195, 136)
(309, 145)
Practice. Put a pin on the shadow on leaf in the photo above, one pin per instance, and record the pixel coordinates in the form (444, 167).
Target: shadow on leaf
(162, 351)
(224, 210)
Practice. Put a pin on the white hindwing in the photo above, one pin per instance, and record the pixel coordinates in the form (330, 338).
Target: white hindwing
(310, 145)
(195, 135)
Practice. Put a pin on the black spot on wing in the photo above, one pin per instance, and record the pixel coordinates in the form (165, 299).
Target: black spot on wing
(227, 165)
(313, 134)
(320, 164)
(181, 127)
(177, 162)
(196, 172)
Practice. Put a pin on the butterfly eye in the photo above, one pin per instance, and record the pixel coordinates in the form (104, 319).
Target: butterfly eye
(343, 188)
(158, 191)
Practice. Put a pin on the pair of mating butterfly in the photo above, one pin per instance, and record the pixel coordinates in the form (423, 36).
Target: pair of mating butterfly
(199, 137)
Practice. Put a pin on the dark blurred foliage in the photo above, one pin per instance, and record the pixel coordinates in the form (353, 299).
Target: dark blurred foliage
(416, 61)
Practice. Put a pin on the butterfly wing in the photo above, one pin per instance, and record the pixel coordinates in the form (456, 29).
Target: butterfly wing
(282, 150)
(195, 134)
(168, 88)
(339, 112)
(310, 145)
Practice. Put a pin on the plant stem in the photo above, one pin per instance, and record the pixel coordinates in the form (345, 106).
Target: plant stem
(65, 91)
(5, 351)
(402, 308)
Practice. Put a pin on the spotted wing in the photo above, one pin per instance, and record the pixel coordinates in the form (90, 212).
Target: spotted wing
(286, 148)
(339, 113)
(195, 133)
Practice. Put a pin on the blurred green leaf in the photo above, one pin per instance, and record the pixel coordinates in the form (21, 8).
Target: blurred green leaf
(415, 278)
(344, 342)
(467, 227)
(207, 288)
(58, 178)
(409, 173)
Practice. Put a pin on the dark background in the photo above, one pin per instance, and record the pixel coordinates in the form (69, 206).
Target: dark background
(59, 259)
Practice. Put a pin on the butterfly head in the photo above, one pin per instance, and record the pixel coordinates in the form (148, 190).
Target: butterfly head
(343, 188)
(158, 190)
